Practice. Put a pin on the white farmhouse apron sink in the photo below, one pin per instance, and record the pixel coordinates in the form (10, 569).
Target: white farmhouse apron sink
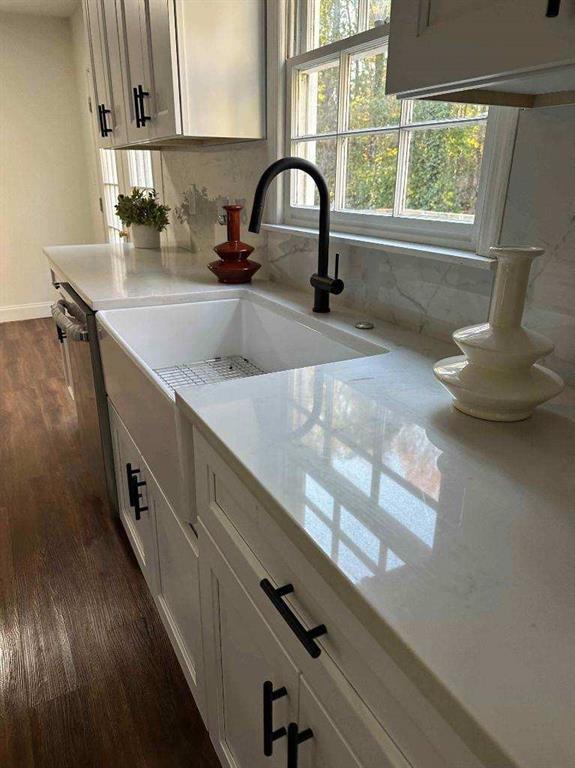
(147, 351)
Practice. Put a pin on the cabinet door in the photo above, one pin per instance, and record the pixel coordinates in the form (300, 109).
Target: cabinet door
(162, 65)
(110, 39)
(241, 654)
(135, 71)
(137, 519)
(473, 42)
(325, 747)
(338, 741)
(102, 106)
(179, 590)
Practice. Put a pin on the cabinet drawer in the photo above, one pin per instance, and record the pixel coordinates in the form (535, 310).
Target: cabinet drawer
(263, 551)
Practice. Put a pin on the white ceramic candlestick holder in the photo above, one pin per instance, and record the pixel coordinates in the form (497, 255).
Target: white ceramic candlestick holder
(496, 378)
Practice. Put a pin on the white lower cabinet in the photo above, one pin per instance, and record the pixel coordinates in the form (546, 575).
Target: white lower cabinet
(238, 603)
(242, 655)
(166, 553)
(320, 722)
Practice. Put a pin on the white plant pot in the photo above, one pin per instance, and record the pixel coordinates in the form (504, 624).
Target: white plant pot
(496, 378)
(144, 236)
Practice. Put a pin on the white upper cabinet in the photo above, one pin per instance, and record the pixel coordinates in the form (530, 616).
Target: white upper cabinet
(187, 71)
(515, 52)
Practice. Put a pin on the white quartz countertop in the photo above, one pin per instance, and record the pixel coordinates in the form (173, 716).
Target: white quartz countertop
(452, 539)
(115, 276)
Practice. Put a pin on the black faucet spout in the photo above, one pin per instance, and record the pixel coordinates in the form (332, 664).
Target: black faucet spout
(323, 285)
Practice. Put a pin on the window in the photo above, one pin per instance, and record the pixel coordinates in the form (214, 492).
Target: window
(111, 189)
(400, 169)
(140, 169)
(121, 171)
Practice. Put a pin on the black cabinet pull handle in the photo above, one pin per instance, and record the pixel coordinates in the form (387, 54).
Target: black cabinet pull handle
(137, 107)
(295, 738)
(305, 636)
(100, 120)
(134, 494)
(269, 734)
(553, 7)
(103, 122)
(141, 116)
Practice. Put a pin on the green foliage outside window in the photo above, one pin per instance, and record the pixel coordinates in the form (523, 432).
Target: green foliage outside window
(442, 162)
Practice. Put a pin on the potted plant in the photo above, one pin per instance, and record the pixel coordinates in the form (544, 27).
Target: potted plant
(147, 217)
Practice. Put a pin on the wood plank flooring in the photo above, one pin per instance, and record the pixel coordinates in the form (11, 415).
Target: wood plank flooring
(87, 674)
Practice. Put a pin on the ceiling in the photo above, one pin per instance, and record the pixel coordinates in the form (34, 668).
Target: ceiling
(40, 7)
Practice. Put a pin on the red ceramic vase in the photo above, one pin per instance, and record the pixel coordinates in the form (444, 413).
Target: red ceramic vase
(235, 266)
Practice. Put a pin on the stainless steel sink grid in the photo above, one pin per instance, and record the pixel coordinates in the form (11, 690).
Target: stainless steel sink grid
(207, 371)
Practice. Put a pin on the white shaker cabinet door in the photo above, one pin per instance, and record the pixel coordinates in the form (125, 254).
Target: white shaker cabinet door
(135, 69)
(102, 97)
(338, 739)
(179, 592)
(242, 654)
(110, 38)
(163, 65)
(134, 500)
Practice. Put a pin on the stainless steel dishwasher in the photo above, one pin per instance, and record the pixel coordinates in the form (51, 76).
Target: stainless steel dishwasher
(77, 330)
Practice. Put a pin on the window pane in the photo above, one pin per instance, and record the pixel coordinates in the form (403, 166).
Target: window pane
(369, 107)
(317, 93)
(322, 153)
(108, 166)
(379, 11)
(140, 168)
(110, 200)
(424, 111)
(443, 172)
(371, 172)
(333, 20)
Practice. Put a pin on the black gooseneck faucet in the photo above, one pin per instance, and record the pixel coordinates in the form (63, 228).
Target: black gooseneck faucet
(323, 284)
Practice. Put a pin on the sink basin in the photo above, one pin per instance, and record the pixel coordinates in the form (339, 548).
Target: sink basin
(149, 351)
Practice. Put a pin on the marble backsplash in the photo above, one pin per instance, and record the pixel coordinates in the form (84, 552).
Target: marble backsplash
(196, 184)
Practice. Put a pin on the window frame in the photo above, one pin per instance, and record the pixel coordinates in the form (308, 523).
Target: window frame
(495, 167)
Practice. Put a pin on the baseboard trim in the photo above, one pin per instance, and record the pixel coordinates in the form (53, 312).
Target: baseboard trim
(13, 312)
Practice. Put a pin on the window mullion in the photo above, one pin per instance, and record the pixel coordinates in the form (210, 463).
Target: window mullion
(342, 124)
(363, 15)
(402, 157)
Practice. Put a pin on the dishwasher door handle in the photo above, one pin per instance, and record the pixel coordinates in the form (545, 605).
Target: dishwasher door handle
(73, 329)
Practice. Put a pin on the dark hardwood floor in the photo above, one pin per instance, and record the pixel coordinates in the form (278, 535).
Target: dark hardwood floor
(87, 674)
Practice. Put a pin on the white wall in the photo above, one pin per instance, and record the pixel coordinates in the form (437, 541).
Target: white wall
(44, 199)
